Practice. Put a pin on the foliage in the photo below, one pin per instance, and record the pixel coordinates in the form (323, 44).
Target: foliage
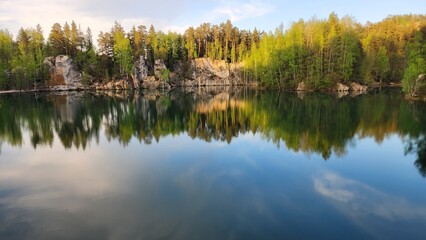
(323, 52)
(6, 58)
(319, 52)
(315, 124)
(416, 55)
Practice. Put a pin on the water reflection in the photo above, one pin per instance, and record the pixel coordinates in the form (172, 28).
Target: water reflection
(210, 164)
(363, 205)
(320, 124)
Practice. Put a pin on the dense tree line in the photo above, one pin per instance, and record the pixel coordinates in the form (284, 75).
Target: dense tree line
(318, 52)
(323, 52)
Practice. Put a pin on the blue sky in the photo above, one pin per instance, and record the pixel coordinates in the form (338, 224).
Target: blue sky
(176, 15)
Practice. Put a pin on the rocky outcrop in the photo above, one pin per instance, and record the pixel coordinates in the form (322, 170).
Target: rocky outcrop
(206, 72)
(355, 87)
(114, 85)
(418, 91)
(139, 72)
(159, 70)
(64, 74)
(341, 87)
(154, 83)
(140, 78)
(301, 87)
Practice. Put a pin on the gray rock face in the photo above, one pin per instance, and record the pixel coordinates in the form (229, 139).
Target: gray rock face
(207, 72)
(50, 63)
(419, 88)
(159, 70)
(139, 72)
(159, 65)
(64, 74)
(154, 83)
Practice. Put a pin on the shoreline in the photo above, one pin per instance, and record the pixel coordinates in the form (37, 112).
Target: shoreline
(88, 89)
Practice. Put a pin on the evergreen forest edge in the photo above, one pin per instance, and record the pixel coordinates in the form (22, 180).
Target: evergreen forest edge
(318, 52)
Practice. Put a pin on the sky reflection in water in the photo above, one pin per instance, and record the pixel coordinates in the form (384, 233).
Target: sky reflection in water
(190, 184)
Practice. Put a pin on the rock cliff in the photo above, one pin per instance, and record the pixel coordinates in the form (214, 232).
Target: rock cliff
(206, 72)
(139, 72)
(419, 89)
(355, 87)
(63, 73)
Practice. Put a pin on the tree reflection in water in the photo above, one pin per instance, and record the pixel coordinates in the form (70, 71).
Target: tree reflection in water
(418, 147)
(312, 123)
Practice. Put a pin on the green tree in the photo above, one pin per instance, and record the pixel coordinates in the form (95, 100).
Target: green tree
(122, 50)
(6, 53)
(382, 64)
(190, 45)
(416, 54)
(76, 40)
(57, 42)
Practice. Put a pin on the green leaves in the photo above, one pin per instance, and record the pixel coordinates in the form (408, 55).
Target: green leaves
(416, 53)
(123, 51)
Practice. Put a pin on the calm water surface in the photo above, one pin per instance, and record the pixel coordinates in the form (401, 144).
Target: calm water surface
(235, 164)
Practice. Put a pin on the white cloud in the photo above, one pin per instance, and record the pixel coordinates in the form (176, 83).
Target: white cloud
(359, 199)
(239, 10)
(100, 15)
(24, 13)
(96, 14)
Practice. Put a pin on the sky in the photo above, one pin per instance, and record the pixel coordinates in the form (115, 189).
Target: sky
(177, 15)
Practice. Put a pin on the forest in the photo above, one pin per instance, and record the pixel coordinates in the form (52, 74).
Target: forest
(318, 52)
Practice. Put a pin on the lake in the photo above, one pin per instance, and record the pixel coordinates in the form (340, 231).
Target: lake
(212, 164)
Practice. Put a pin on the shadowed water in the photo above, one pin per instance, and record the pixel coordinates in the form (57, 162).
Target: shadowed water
(212, 164)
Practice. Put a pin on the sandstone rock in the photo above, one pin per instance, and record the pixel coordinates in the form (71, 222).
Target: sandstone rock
(212, 67)
(139, 72)
(50, 63)
(341, 94)
(114, 85)
(161, 72)
(341, 88)
(355, 87)
(206, 72)
(419, 89)
(99, 86)
(64, 74)
(301, 87)
(152, 83)
(159, 65)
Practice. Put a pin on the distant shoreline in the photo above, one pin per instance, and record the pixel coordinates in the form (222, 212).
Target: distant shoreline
(47, 90)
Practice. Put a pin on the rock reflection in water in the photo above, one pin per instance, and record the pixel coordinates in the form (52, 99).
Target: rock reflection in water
(315, 123)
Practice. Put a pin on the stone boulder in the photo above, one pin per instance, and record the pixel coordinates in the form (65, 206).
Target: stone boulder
(341, 94)
(341, 87)
(211, 67)
(139, 72)
(63, 72)
(50, 63)
(355, 87)
(153, 83)
(418, 91)
(206, 72)
(114, 85)
(159, 65)
(301, 87)
(159, 70)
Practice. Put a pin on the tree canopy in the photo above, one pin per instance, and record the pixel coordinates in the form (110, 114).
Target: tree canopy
(319, 52)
